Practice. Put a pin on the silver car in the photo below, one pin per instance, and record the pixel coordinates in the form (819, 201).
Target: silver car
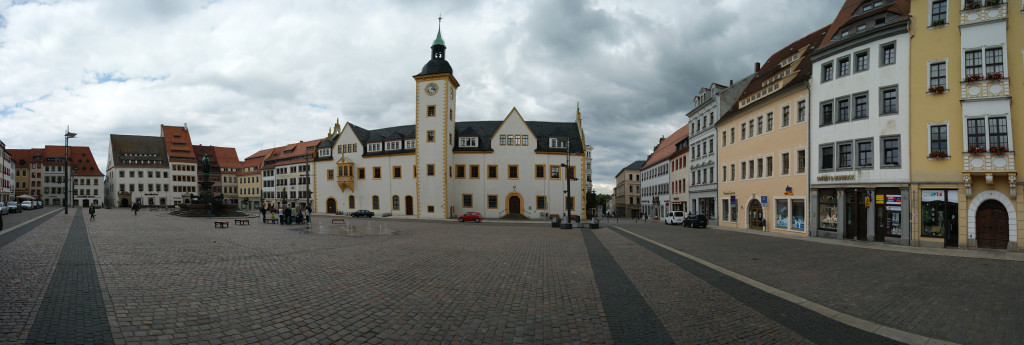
(13, 207)
(27, 205)
(4, 209)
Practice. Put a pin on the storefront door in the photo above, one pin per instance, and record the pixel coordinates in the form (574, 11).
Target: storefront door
(856, 215)
(993, 225)
(755, 214)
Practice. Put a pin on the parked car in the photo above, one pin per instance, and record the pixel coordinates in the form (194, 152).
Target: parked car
(471, 216)
(27, 205)
(362, 213)
(13, 207)
(39, 204)
(674, 217)
(696, 221)
(4, 209)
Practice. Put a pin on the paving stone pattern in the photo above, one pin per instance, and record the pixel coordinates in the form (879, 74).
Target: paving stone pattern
(26, 265)
(630, 319)
(72, 310)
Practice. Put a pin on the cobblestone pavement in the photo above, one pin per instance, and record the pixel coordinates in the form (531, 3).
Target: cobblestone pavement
(175, 280)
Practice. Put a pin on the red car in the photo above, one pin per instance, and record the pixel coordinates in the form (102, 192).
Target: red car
(473, 216)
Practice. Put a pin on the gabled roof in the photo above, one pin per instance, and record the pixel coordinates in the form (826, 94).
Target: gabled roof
(23, 157)
(140, 151)
(179, 143)
(636, 166)
(292, 153)
(667, 146)
(220, 157)
(81, 160)
(851, 13)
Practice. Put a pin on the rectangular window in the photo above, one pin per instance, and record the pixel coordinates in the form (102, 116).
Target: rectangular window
(938, 139)
(732, 172)
(844, 67)
(862, 61)
(843, 110)
(972, 63)
(492, 171)
(732, 135)
(760, 125)
(785, 163)
(937, 75)
(743, 170)
(785, 116)
(396, 172)
(939, 10)
(492, 201)
(743, 131)
(501, 140)
(513, 172)
(860, 106)
(891, 147)
(430, 209)
(393, 145)
(975, 133)
(890, 105)
(827, 157)
(760, 167)
(376, 173)
(467, 200)
(430, 136)
(865, 154)
(554, 171)
(801, 112)
(888, 54)
(430, 170)
(997, 133)
(474, 171)
(770, 118)
(542, 202)
(845, 156)
(768, 166)
(460, 171)
(826, 71)
(826, 113)
(431, 111)
(994, 61)
(801, 161)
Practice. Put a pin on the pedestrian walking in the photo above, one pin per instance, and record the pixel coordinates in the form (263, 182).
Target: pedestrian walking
(209, 210)
(92, 213)
(280, 215)
(263, 211)
(135, 208)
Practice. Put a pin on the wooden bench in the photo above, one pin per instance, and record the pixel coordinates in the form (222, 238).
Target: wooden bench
(241, 222)
(220, 224)
(337, 221)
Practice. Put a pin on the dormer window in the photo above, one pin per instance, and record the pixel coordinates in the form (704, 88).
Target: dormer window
(410, 144)
(557, 143)
(468, 142)
(373, 147)
(325, 152)
(393, 145)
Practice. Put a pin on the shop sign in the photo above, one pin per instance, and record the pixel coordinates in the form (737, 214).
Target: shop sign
(826, 178)
(732, 200)
(764, 200)
(893, 199)
(892, 208)
(879, 199)
(867, 202)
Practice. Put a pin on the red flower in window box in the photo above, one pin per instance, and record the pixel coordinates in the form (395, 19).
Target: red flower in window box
(994, 76)
(972, 78)
(998, 149)
(937, 89)
(938, 154)
(977, 150)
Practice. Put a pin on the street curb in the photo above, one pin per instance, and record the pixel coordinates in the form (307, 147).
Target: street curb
(850, 320)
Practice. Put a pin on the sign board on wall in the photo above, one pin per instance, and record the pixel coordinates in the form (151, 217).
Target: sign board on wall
(764, 200)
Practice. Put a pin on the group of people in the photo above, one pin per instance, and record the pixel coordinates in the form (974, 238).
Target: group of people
(287, 215)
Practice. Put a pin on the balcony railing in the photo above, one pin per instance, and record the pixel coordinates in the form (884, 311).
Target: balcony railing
(985, 88)
(989, 162)
(984, 11)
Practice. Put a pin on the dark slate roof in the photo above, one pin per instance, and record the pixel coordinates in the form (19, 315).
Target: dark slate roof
(635, 165)
(482, 129)
(138, 148)
(386, 134)
(327, 143)
(436, 66)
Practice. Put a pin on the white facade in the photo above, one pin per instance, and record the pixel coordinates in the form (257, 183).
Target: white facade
(703, 154)
(183, 181)
(655, 193)
(147, 186)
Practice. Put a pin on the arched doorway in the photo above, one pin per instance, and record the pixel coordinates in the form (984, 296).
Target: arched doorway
(408, 205)
(514, 203)
(124, 202)
(332, 205)
(993, 225)
(754, 215)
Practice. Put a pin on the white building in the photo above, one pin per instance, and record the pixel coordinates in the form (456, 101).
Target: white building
(286, 173)
(184, 177)
(655, 176)
(859, 126)
(440, 168)
(6, 174)
(137, 171)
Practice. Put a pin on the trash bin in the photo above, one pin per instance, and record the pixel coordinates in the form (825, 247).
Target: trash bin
(556, 222)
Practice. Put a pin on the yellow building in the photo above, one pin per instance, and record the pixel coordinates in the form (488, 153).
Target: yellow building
(250, 182)
(964, 181)
(763, 152)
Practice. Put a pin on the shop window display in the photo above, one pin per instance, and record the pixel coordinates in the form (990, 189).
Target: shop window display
(938, 212)
(782, 214)
(797, 215)
(889, 212)
(828, 211)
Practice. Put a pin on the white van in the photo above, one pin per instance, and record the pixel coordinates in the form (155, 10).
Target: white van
(675, 217)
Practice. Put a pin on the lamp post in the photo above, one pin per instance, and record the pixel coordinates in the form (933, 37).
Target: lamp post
(568, 189)
(307, 192)
(67, 136)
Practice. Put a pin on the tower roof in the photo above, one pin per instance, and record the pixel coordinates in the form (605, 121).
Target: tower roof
(438, 41)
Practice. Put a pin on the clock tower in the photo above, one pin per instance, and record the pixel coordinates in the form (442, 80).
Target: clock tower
(435, 134)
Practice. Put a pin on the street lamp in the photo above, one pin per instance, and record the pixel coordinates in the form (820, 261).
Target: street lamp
(568, 189)
(307, 191)
(67, 135)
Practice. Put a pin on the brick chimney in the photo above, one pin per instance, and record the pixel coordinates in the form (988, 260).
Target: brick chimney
(757, 67)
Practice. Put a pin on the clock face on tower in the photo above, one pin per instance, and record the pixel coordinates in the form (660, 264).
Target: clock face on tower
(431, 89)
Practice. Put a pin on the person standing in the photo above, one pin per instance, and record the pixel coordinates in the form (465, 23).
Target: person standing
(135, 208)
(92, 212)
(263, 211)
(280, 215)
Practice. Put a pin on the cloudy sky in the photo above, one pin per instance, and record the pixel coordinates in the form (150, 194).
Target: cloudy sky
(255, 74)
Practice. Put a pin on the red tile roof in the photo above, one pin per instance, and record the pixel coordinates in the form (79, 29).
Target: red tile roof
(82, 162)
(179, 144)
(846, 16)
(667, 146)
(221, 157)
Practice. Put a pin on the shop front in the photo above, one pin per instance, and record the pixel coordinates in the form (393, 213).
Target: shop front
(866, 213)
(939, 217)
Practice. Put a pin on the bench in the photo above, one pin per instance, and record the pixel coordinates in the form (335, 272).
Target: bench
(220, 224)
(241, 222)
(337, 220)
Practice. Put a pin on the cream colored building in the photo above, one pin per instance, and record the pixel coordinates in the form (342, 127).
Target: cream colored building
(763, 153)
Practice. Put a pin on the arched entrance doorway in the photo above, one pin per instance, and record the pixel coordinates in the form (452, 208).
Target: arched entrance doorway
(993, 225)
(124, 202)
(408, 205)
(754, 215)
(332, 206)
(514, 203)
